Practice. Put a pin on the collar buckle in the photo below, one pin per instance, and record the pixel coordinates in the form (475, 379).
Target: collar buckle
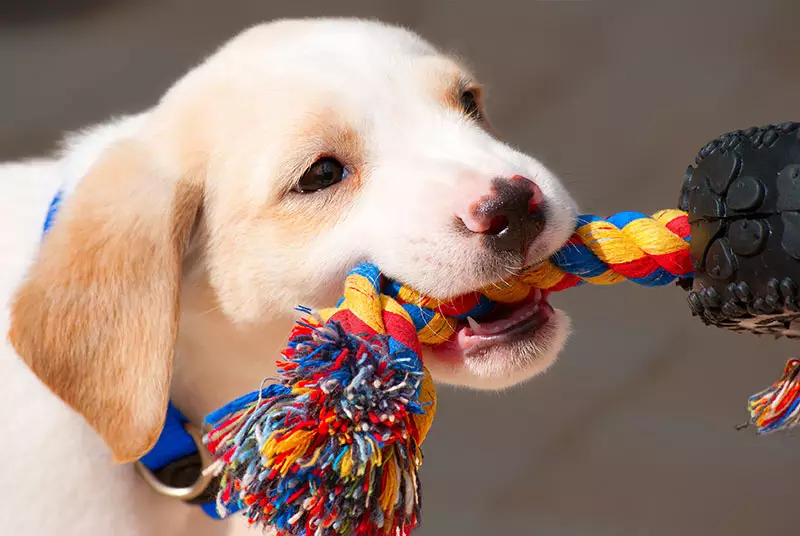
(193, 491)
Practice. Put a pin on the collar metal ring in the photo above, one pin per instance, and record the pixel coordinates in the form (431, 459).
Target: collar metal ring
(200, 485)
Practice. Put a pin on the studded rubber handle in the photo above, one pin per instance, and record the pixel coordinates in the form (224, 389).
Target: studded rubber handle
(743, 199)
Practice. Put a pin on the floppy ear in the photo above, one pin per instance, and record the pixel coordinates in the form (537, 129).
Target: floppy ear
(97, 317)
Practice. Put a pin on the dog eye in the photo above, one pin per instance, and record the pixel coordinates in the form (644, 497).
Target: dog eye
(323, 173)
(469, 104)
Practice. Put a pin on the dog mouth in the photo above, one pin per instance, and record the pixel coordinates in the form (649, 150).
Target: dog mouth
(505, 326)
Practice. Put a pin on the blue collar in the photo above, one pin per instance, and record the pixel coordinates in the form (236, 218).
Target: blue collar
(175, 458)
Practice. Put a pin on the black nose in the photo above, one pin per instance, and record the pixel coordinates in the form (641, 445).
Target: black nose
(514, 215)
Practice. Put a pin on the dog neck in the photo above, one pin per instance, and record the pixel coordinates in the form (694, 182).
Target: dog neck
(217, 361)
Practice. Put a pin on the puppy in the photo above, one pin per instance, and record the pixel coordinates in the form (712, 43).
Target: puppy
(186, 235)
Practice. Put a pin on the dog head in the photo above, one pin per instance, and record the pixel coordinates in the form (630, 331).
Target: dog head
(297, 150)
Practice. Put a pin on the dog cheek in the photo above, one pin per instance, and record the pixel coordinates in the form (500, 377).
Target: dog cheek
(250, 270)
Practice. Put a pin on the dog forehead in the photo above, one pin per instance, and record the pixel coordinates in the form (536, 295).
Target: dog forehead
(280, 85)
(330, 37)
(327, 52)
(345, 63)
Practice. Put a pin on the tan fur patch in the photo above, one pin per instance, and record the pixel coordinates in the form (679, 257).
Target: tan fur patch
(447, 80)
(97, 318)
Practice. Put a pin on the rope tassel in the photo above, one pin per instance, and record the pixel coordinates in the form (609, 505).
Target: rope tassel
(778, 407)
(334, 447)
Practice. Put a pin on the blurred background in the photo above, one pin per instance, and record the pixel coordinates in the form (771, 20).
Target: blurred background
(633, 432)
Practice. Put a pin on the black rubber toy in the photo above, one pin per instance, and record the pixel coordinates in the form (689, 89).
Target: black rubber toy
(743, 200)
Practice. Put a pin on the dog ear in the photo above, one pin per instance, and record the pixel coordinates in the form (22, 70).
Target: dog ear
(97, 317)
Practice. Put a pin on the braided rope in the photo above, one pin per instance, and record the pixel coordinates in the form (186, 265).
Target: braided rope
(629, 246)
(647, 250)
(333, 448)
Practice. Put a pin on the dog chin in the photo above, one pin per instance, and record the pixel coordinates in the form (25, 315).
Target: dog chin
(494, 363)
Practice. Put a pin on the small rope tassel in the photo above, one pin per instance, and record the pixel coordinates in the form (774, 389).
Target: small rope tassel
(778, 407)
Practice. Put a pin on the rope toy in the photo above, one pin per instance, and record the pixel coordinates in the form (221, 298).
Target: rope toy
(333, 447)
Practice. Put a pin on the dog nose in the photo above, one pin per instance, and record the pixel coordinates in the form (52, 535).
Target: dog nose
(511, 217)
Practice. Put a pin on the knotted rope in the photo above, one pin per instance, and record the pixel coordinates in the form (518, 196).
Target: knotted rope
(333, 447)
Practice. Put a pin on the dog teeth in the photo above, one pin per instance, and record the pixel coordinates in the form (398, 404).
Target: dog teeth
(529, 314)
(499, 326)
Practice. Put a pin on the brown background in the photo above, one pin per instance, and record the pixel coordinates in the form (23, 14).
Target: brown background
(633, 432)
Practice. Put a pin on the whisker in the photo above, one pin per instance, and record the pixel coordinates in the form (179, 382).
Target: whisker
(210, 310)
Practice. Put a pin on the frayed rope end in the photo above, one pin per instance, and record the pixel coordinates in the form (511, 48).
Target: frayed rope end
(778, 407)
(333, 449)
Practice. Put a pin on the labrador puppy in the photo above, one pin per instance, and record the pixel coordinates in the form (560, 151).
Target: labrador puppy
(186, 235)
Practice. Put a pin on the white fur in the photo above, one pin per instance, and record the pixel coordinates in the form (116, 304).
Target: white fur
(423, 161)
